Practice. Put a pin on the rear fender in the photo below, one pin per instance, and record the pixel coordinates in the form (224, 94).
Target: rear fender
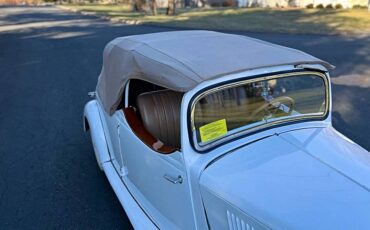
(92, 122)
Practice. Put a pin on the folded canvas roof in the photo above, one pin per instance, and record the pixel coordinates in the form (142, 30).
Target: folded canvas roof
(182, 59)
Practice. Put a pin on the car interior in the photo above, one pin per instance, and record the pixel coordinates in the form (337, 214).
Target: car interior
(154, 115)
(153, 112)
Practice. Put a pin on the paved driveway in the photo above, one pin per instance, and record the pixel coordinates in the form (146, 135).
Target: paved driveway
(49, 60)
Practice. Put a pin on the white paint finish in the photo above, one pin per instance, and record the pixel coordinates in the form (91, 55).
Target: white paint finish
(153, 213)
(222, 215)
(136, 215)
(160, 198)
(91, 113)
(282, 186)
(335, 150)
(112, 134)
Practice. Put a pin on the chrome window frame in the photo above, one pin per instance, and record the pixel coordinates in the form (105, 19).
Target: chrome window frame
(254, 128)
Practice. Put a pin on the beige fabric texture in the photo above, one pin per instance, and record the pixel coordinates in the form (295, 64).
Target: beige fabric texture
(180, 60)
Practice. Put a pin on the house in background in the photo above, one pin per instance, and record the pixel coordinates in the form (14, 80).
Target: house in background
(302, 3)
(268, 3)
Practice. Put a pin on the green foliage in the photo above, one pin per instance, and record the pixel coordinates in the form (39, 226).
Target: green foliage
(310, 6)
(359, 7)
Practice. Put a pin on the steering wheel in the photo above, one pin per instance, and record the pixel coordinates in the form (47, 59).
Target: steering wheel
(273, 107)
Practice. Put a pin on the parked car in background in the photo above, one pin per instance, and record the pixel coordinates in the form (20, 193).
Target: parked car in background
(205, 130)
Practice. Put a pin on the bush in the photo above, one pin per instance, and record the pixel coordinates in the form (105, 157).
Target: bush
(320, 6)
(292, 3)
(330, 6)
(227, 3)
(359, 7)
(338, 6)
(309, 6)
(215, 4)
(254, 4)
(222, 3)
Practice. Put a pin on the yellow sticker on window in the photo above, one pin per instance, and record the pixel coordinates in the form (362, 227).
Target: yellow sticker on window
(213, 130)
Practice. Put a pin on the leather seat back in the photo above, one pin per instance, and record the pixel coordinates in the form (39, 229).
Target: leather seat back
(160, 114)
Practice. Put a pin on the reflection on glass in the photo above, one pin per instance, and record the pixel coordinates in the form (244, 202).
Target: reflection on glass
(261, 102)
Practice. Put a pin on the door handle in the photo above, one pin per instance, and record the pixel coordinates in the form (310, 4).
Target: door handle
(177, 180)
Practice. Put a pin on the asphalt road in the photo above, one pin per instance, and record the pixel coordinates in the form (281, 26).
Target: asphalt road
(50, 59)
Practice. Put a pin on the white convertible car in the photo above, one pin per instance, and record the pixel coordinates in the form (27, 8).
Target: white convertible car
(205, 130)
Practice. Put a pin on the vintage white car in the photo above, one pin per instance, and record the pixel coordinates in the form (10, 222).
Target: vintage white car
(206, 130)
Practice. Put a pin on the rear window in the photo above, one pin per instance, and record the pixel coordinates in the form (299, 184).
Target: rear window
(250, 104)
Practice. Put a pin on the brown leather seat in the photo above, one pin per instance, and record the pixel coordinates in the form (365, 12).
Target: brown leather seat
(160, 113)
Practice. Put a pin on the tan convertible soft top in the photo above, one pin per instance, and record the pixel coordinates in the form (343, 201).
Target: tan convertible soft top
(180, 60)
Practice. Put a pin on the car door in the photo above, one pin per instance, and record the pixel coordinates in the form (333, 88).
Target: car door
(157, 181)
(111, 127)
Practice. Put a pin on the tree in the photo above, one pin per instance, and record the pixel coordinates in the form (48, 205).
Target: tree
(138, 5)
(154, 7)
(145, 6)
(171, 9)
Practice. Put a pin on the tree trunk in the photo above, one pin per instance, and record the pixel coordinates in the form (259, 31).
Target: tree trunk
(138, 5)
(171, 7)
(154, 7)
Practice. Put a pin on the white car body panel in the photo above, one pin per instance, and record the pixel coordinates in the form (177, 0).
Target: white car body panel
(140, 187)
(209, 196)
(145, 172)
(98, 137)
(136, 215)
(336, 151)
(286, 186)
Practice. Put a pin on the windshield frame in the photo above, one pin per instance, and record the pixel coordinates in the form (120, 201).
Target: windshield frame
(252, 128)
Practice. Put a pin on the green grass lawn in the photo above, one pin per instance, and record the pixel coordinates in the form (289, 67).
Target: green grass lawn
(313, 21)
